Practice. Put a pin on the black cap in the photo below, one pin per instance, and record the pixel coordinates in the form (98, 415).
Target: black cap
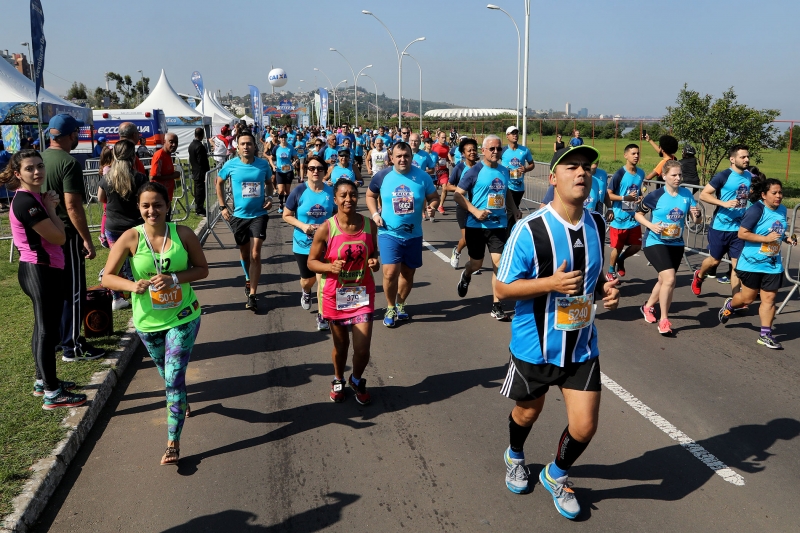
(590, 152)
(344, 151)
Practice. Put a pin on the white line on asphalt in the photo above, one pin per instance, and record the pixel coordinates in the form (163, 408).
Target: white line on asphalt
(706, 457)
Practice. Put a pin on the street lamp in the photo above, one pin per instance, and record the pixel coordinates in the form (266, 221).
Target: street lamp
(420, 88)
(377, 115)
(30, 58)
(334, 95)
(525, 83)
(338, 104)
(355, 89)
(141, 85)
(399, 67)
(519, 46)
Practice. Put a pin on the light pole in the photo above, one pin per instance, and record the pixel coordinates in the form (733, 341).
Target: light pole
(141, 85)
(525, 83)
(399, 67)
(355, 89)
(420, 88)
(377, 109)
(30, 58)
(337, 103)
(519, 46)
(334, 94)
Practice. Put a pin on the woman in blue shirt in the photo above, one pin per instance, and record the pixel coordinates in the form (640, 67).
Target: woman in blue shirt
(664, 245)
(760, 267)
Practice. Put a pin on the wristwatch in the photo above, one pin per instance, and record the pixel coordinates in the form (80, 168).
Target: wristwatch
(223, 207)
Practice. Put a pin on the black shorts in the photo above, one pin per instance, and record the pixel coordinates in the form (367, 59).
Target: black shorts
(526, 381)
(664, 257)
(284, 178)
(760, 281)
(461, 216)
(245, 229)
(517, 196)
(478, 239)
(302, 266)
(359, 159)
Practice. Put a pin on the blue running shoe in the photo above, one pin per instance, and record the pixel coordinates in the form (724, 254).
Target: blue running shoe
(516, 474)
(563, 496)
(402, 314)
(390, 318)
(725, 280)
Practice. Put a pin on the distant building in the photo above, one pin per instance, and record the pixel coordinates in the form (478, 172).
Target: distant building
(583, 112)
(569, 109)
(18, 61)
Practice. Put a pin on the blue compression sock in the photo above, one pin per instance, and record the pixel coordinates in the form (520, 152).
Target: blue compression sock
(555, 472)
(246, 273)
(515, 455)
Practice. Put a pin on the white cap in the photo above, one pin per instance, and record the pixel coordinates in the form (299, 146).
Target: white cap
(511, 128)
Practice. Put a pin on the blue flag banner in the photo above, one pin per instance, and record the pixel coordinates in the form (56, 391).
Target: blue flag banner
(197, 81)
(255, 104)
(38, 43)
(323, 104)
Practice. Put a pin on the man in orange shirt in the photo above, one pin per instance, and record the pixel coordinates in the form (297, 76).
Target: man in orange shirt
(162, 170)
(667, 147)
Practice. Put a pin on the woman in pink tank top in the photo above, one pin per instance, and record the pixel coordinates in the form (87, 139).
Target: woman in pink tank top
(345, 252)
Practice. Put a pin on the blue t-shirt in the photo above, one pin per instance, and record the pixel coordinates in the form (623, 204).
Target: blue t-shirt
(730, 185)
(514, 159)
(387, 141)
(457, 173)
(402, 198)
(670, 211)
(625, 184)
(576, 141)
(283, 158)
(247, 185)
(342, 172)
(98, 150)
(361, 140)
(486, 189)
(422, 161)
(596, 195)
(457, 157)
(300, 148)
(537, 246)
(309, 207)
(757, 256)
(332, 155)
(291, 138)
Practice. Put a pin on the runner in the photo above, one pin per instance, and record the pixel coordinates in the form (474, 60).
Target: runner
(518, 160)
(344, 169)
(422, 160)
(331, 153)
(441, 156)
(760, 266)
(625, 191)
(402, 191)
(38, 233)
(285, 161)
(302, 154)
(598, 196)
(729, 191)
(345, 253)
(664, 246)
(469, 151)
(358, 150)
(553, 336)
(250, 179)
(166, 313)
(377, 158)
(483, 192)
(307, 208)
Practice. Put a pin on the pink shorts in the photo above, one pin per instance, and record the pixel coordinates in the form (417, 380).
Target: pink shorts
(358, 319)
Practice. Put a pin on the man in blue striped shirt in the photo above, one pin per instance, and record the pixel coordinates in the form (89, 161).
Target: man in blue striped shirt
(552, 265)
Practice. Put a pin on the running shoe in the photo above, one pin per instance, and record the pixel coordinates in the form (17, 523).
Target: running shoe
(697, 283)
(38, 390)
(665, 327)
(337, 391)
(497, 312)
(477, 272)
(247, 288)
(305, 301)
(463, 285)
(611, 275)
(100, 275)
(770, 342)
(390, 318)
(516, 473)
(649, 313)
(362, 396)
(280, 210)
(620, 268)
(252, 303)
(120, 303)
(83, 352)
(724, 313)
(322, 324)
(441, 210)
(563, 495)
(402, 314)
(725, 280)
(455, 257)
(63, 399)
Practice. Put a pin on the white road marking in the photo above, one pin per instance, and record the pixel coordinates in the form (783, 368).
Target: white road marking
(688, 443)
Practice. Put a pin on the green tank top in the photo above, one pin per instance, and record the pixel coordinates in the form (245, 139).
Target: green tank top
(173, 306)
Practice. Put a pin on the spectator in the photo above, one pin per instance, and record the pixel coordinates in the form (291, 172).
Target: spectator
(222, 145)
(559, 144)
(198, 160)
(141, 150)
(98, 148)
(118, 188)
(5, 157)
(65, 177)
(667, 147)
(576, 139)
(162, 169)
(129, 132)
(106, 159)
(689, 166)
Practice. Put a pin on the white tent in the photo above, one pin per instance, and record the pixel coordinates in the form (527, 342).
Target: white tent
(248, 119)
(219, 116)
(223, 108)
(181, 118)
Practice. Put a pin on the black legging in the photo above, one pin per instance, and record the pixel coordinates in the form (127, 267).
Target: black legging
(44, 286)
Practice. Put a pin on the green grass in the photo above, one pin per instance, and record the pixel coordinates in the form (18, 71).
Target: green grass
(28, 433)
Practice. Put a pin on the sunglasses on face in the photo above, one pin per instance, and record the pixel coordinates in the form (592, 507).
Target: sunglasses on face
(494, 148)
(315, 168)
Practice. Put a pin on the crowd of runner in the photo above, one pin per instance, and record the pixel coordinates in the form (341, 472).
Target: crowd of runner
(550, 263)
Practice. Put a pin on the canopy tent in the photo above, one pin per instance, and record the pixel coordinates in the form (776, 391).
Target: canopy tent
(181, 118)
(248, 119)
(468, 113)
(18, 100)
(219, 116)
(215, 99)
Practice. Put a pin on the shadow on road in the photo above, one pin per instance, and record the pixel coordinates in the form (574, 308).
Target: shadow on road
(308, 521)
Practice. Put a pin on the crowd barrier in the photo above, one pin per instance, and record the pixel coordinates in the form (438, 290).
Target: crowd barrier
(794, 281)
(213, 213)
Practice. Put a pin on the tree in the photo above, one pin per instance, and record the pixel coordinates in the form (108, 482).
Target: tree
(783, 139)
(716, 125)
(78, 91)
(129, 91)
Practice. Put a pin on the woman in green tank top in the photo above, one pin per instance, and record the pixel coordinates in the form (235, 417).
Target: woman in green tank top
(165, 258)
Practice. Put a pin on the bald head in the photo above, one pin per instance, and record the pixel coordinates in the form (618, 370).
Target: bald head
(129, 131)
(171, 143)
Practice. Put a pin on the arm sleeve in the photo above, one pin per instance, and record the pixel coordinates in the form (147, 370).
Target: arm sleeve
(455, 173)
(294, 197)
(28, 210)
(651, 200)
(518, 258)
(752, 216)
(375, 183)
(719, 180)
(616, 181)
(469, 178)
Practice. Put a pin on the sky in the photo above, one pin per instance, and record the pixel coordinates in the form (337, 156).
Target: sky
(612, 56)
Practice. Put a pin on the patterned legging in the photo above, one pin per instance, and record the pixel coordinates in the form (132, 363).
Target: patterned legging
(170, 350)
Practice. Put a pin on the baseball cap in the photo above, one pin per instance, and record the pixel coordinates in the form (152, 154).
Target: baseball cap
(101, 139)
(225, 129)
(688, 149)
(511, 128)
(589, 151)
(344, 151)
(63, 124)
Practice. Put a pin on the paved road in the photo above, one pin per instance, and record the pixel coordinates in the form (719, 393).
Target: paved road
(265, 450)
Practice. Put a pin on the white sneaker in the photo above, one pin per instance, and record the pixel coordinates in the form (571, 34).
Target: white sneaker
(305, 301)
(121, 303)
(454, 258)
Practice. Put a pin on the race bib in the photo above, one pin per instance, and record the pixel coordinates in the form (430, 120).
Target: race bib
(348, 298)
(770, 249)
(168, 298)
(516, 173)
(380, 164)
(496, 200)
(402, 204)
(442, 162)
(574, 312)
(286, 168)
(251, 189)
(672, 231)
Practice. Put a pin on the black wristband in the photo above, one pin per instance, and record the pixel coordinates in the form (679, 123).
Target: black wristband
(223, 207)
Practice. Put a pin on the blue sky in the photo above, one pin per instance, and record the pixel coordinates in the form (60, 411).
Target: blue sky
(610, 56)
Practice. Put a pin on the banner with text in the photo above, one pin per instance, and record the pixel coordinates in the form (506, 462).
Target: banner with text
(38, 43)
(255, 105)
(323, 107)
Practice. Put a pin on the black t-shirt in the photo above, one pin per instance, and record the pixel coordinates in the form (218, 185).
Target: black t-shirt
(689, 171)
(122, 214)
(559, 145)
(198, 159)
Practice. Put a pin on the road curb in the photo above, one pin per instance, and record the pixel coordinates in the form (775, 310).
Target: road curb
(48, 472)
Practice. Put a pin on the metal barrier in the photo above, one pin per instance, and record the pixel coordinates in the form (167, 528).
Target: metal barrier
(213, 213)
(795, 281)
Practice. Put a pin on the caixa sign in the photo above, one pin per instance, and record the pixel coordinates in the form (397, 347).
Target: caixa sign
(279, 76)
(106, 130)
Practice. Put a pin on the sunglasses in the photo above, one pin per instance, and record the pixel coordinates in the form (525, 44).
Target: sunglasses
(315, 168)
(495, 148)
